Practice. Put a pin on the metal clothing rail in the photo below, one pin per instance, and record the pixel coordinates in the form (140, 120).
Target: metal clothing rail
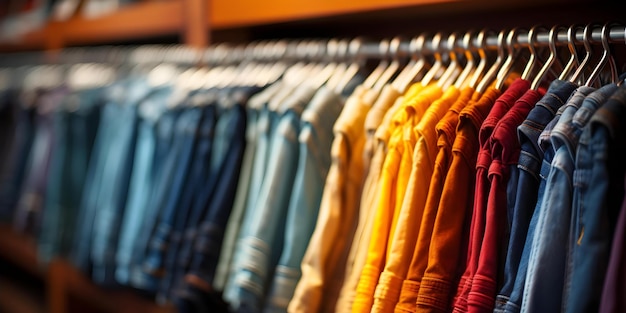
(272, 50)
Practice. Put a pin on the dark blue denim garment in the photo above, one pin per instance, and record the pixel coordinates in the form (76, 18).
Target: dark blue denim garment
(16, 155)
(30, 206)
(214, 207)
(599, 191)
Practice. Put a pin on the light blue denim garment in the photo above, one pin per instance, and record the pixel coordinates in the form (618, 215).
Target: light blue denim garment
(150, 111)
(164, 198)
(315, 140)
(164, 141)
(235, 220)
(162, 168)
(598, 195)
(76, 124)
(262, 239)
(531, 185)
(548, 249)
(81, 251)
(266, 126)
(113, 193)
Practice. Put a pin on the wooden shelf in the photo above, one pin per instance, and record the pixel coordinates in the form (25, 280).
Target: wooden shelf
(236, 13)
(144, 19)
(64, 283)
(243, 13)
(195, 20)
(137, 21)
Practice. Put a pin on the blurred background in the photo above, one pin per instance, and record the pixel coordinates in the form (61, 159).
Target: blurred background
(39, 31)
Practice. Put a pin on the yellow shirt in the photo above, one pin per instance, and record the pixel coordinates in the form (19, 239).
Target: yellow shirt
(386, 199)
(425, 113)
(358, 250)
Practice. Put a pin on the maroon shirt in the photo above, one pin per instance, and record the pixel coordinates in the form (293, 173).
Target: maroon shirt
(505, 150)
(477, 226)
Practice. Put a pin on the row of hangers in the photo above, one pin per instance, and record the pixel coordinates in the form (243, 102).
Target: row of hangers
(477, 59)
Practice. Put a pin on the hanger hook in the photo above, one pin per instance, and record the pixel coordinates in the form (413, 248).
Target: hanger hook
(552, 37)
(511, 41)
(481, 43)
(571, 45)
(451, 45)
(532, 46)
(467, 47)
(394, 47)
(587, 30)
(436, 46)
(467, 40)
(332, 48)
(416, 46)
(355, 48)
(606, 56)
(383, 48)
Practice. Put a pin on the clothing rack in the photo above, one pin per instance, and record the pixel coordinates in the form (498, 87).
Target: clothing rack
(425, 44)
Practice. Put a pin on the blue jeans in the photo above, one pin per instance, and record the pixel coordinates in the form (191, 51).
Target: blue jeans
(239, 206)
(75, 131)
(199, 174)
(30, 205)
(262, 238)
(214, 207)
(266, 125)
(113, 192)
(166, 196)
(16, 160)
(151, 113)
(599, 191)
(544, 278)
(140, 230)
(80, 255)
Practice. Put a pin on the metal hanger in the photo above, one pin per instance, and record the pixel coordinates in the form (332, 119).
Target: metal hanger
(577, 76)
(393, 53)
(606, 57)
(450, 74)
(416, 64)
(384, 63)
(491, 73)
(532, 46)
(481, 39)
(319, 53)
(438, 64)
(573, 59)
(336, 51)
(357, 63)
(505, 70)
(552, 37)
(469, 61)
